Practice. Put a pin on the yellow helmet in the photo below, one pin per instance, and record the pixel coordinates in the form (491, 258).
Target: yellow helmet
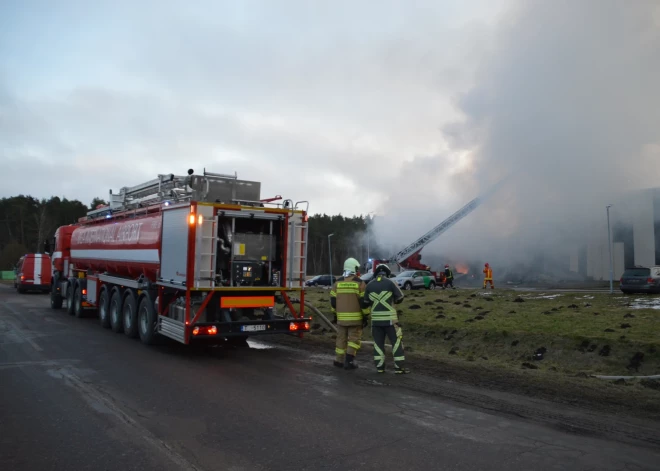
(351, 266)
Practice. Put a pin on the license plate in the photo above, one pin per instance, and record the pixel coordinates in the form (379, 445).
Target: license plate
(253, 328)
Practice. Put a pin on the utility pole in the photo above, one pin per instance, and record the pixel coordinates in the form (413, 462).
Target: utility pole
(609, 245)
(330, 255)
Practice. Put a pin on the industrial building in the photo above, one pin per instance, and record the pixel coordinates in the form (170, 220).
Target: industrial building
(635, 230)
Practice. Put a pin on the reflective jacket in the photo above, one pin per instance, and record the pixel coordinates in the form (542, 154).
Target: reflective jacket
(346, 300)
(449, 274)
(381, 295)
(489, 273)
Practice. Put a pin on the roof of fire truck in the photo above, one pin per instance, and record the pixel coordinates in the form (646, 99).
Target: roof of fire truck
(170, 189)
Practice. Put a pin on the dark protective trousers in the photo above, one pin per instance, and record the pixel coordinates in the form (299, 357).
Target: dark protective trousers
(394, 334)
(449, 282)
(349, 341)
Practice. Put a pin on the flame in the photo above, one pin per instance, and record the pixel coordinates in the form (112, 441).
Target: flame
(462, 268)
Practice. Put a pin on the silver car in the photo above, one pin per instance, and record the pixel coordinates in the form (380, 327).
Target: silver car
(415, 279)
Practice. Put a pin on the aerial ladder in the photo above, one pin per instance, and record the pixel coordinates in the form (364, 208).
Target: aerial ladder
(410, 258)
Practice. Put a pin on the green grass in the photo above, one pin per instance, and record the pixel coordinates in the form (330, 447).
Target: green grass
(489, 328)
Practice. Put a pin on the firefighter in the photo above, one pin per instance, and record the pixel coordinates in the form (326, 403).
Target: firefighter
(488, 276)
(347, 301)
(449, 277)
(381, 295)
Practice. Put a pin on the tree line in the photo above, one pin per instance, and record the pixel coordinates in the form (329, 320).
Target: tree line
(28, 222)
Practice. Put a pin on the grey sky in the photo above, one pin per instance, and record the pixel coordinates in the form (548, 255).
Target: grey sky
(327, 103)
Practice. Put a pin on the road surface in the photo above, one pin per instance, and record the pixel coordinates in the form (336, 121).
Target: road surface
(75, 396)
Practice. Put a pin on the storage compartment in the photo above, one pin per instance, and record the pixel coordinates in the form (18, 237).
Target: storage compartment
(249, 249)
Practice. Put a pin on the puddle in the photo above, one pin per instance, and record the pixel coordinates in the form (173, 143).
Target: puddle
(641, 303)
(259, 345)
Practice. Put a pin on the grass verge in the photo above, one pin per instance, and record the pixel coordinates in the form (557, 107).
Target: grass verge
(551, 341)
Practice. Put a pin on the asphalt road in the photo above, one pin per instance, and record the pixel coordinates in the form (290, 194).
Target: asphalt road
(76, 396)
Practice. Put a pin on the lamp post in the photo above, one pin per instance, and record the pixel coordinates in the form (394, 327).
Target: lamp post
(369, 236)
(609, 245)
(330, 255)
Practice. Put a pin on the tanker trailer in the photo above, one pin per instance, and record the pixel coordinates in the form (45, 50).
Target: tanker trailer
(197, 258)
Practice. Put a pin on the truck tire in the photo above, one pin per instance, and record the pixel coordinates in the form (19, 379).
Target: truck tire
(431, 285)
(407, 286)
(69, 298)
(129, 314)
(56, 300)
(78, 310)
(116, 319)
(104, 308)
(147, 321)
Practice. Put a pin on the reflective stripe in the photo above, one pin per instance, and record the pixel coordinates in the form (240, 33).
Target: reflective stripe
(380, 358)
(397, 344)
(340, 351)
(399, 358)
(354, 345)
(348, 291)
(332, 293)
(387, 312)
(349, 316)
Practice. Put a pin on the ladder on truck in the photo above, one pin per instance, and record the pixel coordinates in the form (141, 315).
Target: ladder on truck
(441, 228)
(205, 258)
(297, 272)
(167, 188)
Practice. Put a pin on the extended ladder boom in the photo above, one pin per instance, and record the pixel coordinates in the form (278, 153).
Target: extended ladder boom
(434, 233)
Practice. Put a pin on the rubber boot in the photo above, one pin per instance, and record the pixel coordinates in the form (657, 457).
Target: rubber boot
(348, 363)
(402, 371)
(338, 364)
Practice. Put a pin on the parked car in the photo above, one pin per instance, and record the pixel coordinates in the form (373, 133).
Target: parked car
(415, 279)
(321, 280)
(640, 280)
(33, 272)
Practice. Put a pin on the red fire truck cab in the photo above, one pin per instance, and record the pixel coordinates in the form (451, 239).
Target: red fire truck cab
(33, 273)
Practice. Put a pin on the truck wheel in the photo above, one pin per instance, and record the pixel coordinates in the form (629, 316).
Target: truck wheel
(69, 299)
(432, 285)
(77, 302)
(116, 321)
(147, 321)
(104, 309)
(129, 313)
(407, 286)
(55, 299)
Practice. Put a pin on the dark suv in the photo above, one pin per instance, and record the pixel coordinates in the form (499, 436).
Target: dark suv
(640, 280)
(321, 280)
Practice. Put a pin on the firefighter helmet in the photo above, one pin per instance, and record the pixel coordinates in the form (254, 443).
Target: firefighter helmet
(351, 266)
(384, 269)
(446, 266)
(486, 265)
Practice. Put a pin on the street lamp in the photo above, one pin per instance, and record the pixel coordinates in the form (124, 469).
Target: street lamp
(369, 236)
(330, 255)
(609, 245)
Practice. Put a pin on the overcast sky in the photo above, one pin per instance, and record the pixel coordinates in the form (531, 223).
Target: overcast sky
(323, 101)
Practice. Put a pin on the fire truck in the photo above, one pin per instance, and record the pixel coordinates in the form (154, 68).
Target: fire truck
(409, 258)
(196, 258)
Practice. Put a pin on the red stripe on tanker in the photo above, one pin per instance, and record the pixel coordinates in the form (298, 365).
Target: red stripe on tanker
(123, 247)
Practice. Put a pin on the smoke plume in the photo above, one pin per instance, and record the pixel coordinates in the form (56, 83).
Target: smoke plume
(567, 103)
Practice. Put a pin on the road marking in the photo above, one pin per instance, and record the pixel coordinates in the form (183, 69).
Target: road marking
(18, 331)
(20, 364)
(97, 398)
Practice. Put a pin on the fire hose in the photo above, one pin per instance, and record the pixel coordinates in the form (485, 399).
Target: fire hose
(325, 320)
